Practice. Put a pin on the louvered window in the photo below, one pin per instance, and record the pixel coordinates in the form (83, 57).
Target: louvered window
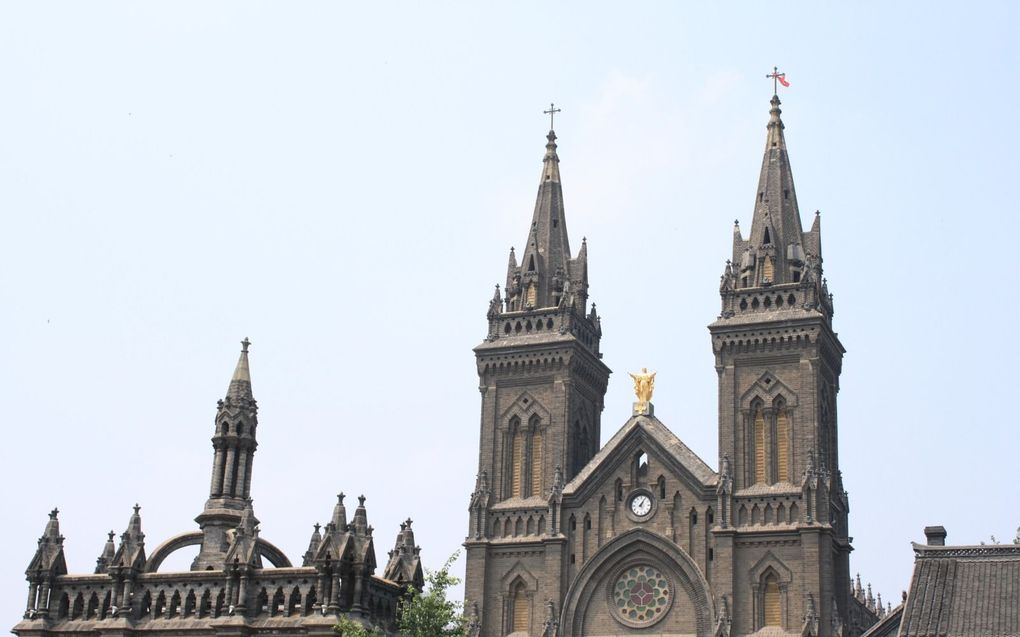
(536, 463)
(759, 446)
(773, 612)
(521, 616)
(516, 462)
(782, 446)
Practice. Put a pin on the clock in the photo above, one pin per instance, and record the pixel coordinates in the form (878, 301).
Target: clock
(641, 505)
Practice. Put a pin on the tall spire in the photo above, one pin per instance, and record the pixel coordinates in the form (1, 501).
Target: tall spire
(545, 262)
(234, 444)
(777, 251)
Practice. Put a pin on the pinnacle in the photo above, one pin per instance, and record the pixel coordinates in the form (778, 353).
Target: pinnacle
(240, 382)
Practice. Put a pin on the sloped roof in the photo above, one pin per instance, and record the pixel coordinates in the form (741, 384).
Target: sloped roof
(657, 431)
(963, 591)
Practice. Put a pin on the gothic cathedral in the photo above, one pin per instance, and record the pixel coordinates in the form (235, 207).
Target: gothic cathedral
(642, 536)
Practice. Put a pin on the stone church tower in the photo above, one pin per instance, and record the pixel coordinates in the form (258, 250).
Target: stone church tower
(642, 536)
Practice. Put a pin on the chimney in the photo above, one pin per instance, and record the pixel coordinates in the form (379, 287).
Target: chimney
(936, 535)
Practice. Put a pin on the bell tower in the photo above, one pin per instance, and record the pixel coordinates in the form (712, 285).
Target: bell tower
(542, 383)
(783, 548)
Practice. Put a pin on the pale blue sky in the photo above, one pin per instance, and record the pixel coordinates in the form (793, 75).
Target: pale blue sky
(341, 182)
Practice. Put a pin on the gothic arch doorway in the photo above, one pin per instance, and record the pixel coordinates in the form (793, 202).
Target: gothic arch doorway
(641, 581)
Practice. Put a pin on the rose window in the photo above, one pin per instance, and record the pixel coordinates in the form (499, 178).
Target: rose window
(641, 595)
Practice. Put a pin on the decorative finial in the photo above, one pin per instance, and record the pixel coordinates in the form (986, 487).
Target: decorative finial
(244, 345)
(777, 79)
(54, 513)
(317, 527)
(340, 497)
(552, 113)
(361, 500)
(736, 222)
(137, 508)
(644, 385)
(110, 535)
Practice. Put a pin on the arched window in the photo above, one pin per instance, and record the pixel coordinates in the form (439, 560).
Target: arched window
(532, 294)
(767, 269)
(516, 458)
(536, 458)
(521, 615)
(773, 615)
(759, 444)
(782, 442)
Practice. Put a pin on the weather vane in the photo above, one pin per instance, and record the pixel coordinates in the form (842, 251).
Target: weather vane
(552, 113)
(777, 79)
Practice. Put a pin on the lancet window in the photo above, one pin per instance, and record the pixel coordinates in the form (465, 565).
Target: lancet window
(526, 458)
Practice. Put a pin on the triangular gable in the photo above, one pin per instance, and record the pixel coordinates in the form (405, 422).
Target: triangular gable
(767, 388)
(524, 408)
(652, 436)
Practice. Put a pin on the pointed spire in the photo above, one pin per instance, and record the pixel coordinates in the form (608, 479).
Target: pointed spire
(52, 530)
(545, 262)
(339, 519)
(774, 251)
(360, 522)
(313, 546)
(106, 557)
(240, 383)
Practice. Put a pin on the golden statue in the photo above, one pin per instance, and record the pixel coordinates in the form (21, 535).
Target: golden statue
(644, 385)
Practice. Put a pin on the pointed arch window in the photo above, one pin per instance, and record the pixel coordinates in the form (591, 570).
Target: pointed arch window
(520, 613)
(536, 457)
(782, 442)
(516, 458)
(759, 444)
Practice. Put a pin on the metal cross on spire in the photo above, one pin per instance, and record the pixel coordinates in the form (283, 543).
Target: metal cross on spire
(777, 79)
(552, 113)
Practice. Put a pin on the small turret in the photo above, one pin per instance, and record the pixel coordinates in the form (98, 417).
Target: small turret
(243, 548)
(131, 552)
(49, 556)
(404, 565)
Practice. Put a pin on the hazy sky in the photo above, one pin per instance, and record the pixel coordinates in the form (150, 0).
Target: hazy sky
(341, 183)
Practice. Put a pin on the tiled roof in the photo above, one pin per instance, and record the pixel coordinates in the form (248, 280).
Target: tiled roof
(963, 591)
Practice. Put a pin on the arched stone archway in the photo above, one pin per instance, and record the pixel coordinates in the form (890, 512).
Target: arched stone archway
(596, 603)
(266, 549)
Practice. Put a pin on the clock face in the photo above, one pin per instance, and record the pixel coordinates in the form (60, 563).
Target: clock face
(641, 505)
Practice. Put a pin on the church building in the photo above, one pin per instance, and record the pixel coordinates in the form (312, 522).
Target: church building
(642, 536)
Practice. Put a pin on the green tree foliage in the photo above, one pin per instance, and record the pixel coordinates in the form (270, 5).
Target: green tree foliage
(347, 627)
(428, 613)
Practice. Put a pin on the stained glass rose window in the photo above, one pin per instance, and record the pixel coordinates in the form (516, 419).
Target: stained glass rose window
(641, 595)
